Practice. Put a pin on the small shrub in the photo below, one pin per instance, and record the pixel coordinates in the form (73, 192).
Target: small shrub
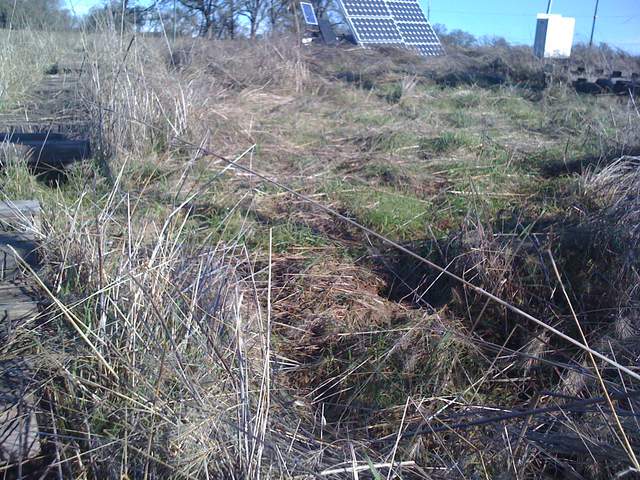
(392, 93)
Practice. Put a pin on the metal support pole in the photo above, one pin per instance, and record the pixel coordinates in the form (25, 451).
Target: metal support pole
(296, 21)
(549, 6)
(593, 26)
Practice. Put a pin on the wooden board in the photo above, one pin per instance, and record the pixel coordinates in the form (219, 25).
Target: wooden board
(43, 129)
(16, 248)
(19, 429)
(19, 209)
(52, 152)
(57, 153)
(13, 292)
(18, 137)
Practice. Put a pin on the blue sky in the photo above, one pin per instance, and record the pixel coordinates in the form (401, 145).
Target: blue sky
(618, 20)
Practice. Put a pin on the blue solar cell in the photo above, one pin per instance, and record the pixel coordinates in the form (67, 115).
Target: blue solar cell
(415, 32)
(406, 11)
(376, 30)
(366, 8)
(428, 50)
(309, 13)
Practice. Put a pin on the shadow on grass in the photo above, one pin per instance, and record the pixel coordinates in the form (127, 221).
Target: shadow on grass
(559, 167)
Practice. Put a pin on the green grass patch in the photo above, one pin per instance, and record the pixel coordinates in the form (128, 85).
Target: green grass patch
(144, 172)
(369, 119)
(519, 110)
(460, 119)
(388, 212)
(386, 173)
(288, 235)
(446, 142)
(391, 93)
(389, 141)
(466, 100)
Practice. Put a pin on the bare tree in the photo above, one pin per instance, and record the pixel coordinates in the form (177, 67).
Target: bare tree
(174, 17)
(209, 12)
(254, 11)
(120, 14)
(321, 6)
(276, 11)
(34, 14)
(224, 18)
(230, 13)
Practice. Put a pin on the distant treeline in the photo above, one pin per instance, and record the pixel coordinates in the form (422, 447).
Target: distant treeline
(206, 18)
(34, 14)
(220, 19)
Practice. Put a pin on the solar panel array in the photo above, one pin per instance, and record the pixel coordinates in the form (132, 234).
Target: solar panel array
(391, 22)
(308, 13)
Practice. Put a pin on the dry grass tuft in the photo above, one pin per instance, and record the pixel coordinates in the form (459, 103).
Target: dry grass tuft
(175, 376)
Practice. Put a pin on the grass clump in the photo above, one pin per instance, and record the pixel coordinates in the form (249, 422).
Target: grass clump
(25, 56)
(448, 142)
(467, 100)
(387, 211)
(388, 142)
(461, 119)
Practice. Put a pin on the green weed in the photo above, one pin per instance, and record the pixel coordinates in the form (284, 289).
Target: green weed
(391, 93)
(398, 215)
(466, 100)
(389, 141)
(446, 142)
(460, 119)
(287, 236)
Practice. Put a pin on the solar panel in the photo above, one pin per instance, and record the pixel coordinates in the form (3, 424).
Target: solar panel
(391, 22)
(366, 8)
(377, 30)
(427, 49)
(417, 33)
(405, 11)
(308, 13)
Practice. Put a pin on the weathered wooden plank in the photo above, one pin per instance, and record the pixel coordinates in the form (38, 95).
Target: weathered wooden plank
(39, 131)
(14, 293)
(37, 121)
(18, 310)
(56, 153)
(19, 208)
(19, 137)
(24, 245)
(19, 430)
(20, 216)
(71, 125)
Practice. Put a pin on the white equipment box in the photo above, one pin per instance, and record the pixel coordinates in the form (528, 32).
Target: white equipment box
(554, 36)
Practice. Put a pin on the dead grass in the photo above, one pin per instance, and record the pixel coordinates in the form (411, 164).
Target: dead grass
(24, 57)
(204, 324)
